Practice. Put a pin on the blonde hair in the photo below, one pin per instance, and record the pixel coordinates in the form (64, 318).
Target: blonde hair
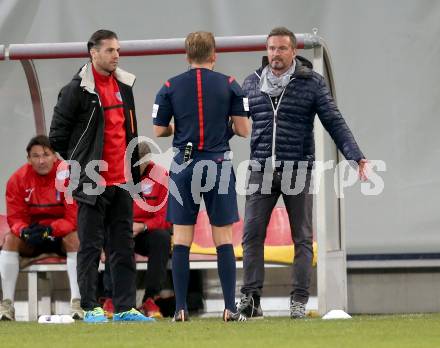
(199, 46)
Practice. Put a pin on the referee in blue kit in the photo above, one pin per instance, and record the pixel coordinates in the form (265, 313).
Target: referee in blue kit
(208, 108)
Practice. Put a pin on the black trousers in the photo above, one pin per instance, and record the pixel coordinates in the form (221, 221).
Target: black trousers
(110, 219)
(258, 209)
(156, 244)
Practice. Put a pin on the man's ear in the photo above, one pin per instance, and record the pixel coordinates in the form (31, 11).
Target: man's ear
(93, 52)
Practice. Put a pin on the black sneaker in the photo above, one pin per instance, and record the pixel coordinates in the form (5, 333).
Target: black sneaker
(247, 307)
(231, 316)
(297, 309)
(181, 315)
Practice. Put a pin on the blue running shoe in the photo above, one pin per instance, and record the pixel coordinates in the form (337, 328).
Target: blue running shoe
(131, 315)
(96, 315)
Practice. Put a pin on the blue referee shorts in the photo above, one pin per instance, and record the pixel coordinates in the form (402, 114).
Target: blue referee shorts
(209, 176)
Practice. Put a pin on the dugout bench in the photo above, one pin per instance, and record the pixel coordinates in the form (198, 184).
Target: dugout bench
(278, 253)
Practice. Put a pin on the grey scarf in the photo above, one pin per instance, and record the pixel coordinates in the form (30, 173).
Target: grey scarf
(274, 85)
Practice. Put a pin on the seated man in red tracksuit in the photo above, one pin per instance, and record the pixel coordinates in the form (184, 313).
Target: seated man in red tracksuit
(151, 232)
(41, 221)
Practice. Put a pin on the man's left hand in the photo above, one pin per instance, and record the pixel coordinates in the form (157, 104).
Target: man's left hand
(138, 227)
(39, 234)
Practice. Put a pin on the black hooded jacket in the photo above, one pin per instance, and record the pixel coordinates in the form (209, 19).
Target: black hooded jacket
(77, 128)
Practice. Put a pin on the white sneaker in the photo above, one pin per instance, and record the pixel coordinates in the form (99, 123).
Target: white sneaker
(76, 311)
(7, 310)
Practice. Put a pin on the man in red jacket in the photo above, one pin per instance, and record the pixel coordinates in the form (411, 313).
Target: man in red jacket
(151, 232)
(41, 221)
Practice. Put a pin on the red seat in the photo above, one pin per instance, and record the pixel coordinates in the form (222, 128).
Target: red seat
(140, 258)
(51, 260)
(278, 231)
(202, 257)
(278, 246)
(203, 231)
(237, 233)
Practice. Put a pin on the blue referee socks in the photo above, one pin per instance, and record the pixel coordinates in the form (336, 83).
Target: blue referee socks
(227, 274)
(180, 270)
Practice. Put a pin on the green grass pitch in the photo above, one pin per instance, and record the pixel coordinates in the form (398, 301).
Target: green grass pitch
(416, 330)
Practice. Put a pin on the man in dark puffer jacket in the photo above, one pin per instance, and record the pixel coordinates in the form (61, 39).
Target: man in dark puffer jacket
(284, 97)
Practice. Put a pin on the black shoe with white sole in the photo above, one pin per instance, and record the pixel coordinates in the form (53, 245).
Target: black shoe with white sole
(231, 316)
(249, 308)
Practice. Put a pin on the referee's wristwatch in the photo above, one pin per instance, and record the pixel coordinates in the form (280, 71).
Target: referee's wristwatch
(145, 228)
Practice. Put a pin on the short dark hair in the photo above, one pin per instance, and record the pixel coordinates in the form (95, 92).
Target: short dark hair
(283, 31)
(39, 140)
(199, 46)
(97, 37)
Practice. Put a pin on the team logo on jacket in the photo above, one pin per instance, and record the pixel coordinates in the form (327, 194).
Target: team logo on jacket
(63, 174)
(118, 96)
(147, 188)
(29, 192)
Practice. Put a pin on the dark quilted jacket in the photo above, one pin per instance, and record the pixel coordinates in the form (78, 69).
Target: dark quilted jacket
(306, 95)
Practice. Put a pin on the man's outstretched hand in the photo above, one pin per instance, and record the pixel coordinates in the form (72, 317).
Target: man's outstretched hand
(364, 169)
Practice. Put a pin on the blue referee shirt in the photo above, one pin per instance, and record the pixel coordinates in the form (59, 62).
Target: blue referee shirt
(201, 101)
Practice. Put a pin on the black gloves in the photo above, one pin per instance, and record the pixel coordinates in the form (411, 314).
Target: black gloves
(36, 235)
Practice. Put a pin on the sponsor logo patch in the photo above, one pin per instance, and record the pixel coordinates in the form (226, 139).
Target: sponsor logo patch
(29, 192)
(155, 110)
(246, 104)
(63, 174)
(147, 188)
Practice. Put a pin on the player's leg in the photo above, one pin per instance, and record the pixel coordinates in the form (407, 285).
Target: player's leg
(120, 247)
(70, 243)
(182, 213)
(222, 236)
(9, 268)
(155, 244)
(300, 210)
(183, 237)
(221, 206)
(91, 237)
(258, 208)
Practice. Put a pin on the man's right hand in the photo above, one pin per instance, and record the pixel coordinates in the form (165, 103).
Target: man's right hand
(25, 233)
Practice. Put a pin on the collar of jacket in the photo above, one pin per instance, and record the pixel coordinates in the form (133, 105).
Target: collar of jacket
(303, 69)
(88, 81)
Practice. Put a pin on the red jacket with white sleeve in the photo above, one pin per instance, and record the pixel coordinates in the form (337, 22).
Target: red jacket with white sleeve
(33, 198)
(151, 209)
